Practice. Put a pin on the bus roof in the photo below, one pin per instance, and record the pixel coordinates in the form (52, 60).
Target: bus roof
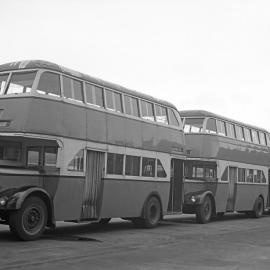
(202, 113)
(41, 64)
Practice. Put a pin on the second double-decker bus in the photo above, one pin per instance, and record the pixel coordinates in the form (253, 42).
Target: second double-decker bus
(227, 168)
(77, 148)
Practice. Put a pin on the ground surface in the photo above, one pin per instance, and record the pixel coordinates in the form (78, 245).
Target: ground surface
(232, 242)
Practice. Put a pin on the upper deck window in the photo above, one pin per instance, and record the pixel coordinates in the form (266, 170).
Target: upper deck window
(230, 130)
(194, 125)
(3, 81)
(172, 118)
(147, 110)
(131, 105)
(268, 139)
(21, 82)
(221, 128)
(239, 133)
(262, 138)
(211, 126)
(247, 134)
(72, 89)
(49, 83)
(161, 114)
(114, 101)
(255, 137)
(94, 95)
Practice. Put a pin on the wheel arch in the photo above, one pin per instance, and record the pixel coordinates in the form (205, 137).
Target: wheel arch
(16, 200)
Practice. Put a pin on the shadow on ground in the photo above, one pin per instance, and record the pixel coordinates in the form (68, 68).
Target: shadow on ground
(77, 232)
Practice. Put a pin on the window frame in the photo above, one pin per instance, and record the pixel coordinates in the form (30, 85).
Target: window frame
(24, 71)
(39, 150)
(114, 109)
(38, 78)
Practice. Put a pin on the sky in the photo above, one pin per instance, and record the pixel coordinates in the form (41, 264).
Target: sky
(211, 55)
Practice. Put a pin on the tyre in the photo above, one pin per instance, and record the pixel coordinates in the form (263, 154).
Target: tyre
(151, 213)
(138, 222)
(29, 222)
(204, 211)
(258, 208)
(104, 221)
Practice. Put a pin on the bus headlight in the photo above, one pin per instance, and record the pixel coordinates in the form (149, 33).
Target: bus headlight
(3, 201)
(193, 199)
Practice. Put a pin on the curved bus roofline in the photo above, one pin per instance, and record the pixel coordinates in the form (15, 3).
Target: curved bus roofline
(203, 113)
(42, 64)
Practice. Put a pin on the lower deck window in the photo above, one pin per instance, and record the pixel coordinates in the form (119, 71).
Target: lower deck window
(10, 151)
(115, 164)
(33, 156)
(132, 165)
(50, 156)
(160, 170)
(148, 167)
(200, 170)
(76, 164)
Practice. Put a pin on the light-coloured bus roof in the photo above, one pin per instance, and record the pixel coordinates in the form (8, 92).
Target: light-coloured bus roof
(41, 64)
(202, 113)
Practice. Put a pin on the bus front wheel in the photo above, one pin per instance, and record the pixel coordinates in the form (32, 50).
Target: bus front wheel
(29, 222)
(204, 211)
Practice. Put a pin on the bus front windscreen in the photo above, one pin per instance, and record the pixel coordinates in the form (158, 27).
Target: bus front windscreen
(193, 125)
(20, 82)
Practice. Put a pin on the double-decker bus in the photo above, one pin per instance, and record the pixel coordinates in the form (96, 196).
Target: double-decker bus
(227, 167)
(77, 148)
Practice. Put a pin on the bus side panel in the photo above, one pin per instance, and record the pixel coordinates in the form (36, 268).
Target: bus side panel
(15, 111)
(45, 116)
(17, 180)
(131, 195)
(116, 129)
(247, 195)
(68, 198)
(96, 125)
(133, 130)
(74, 119)
(168, 139)
(223, 148)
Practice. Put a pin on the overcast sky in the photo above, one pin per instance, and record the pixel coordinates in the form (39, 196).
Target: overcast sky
(210, 54)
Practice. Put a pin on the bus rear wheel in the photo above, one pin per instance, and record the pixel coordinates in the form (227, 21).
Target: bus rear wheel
(29, 222)
(151, 214)
(258, 208)
(204, 211)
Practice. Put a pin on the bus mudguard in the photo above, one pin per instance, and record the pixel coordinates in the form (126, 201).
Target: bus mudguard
(15, 197)
(197, 198)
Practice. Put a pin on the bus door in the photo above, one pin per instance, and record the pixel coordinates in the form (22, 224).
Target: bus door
(93, 188)
(232, 189)
(176, 185)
